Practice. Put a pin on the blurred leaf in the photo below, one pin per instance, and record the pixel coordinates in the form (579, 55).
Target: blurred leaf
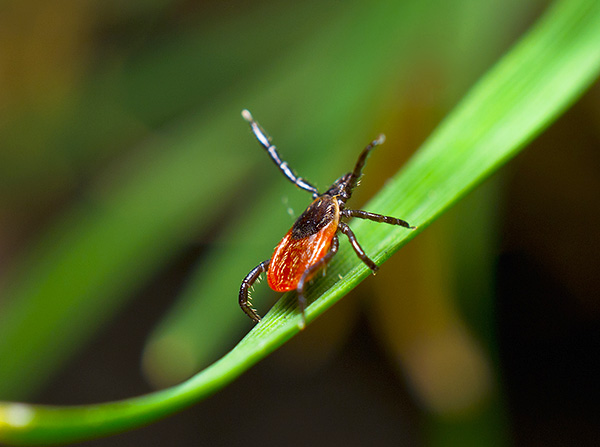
(96, 255)
(447, 365)
(85, 265)
(530, 86)
(166, 78)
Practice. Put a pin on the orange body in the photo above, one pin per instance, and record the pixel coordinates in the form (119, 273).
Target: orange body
(293, 256)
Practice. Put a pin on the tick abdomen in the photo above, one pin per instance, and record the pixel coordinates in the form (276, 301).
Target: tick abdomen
(307, 241)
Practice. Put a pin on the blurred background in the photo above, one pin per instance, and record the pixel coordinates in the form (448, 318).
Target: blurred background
(134, 199)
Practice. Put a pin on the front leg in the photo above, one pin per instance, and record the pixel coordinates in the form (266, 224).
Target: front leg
(376, 217)
(311, 270)
(248, 281)
(265, 142)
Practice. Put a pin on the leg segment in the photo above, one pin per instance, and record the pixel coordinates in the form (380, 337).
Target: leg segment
(376, 217)
(357, 248)
(248, 281)
(311, 270)
(360, 163)
(265, 141)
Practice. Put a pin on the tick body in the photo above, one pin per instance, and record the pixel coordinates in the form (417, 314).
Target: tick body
(307, 242)
(312, 241)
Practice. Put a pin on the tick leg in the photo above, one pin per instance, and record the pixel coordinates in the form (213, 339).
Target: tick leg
(376, 217)
(360, 163)
(311, 270)
(357, 248)
(248, 281)
(265, 141)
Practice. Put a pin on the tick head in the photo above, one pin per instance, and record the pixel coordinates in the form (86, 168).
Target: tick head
(341, 188)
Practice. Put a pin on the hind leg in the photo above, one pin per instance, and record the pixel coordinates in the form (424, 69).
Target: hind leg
(248, 281)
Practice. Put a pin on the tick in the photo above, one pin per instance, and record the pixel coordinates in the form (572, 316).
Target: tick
(312, 241)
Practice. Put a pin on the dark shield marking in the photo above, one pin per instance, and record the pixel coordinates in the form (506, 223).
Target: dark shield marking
(317, 216)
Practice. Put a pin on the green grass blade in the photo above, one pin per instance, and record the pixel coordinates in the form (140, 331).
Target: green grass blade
(528, 88)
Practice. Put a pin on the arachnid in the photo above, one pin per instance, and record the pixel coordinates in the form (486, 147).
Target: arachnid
(312, 241)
